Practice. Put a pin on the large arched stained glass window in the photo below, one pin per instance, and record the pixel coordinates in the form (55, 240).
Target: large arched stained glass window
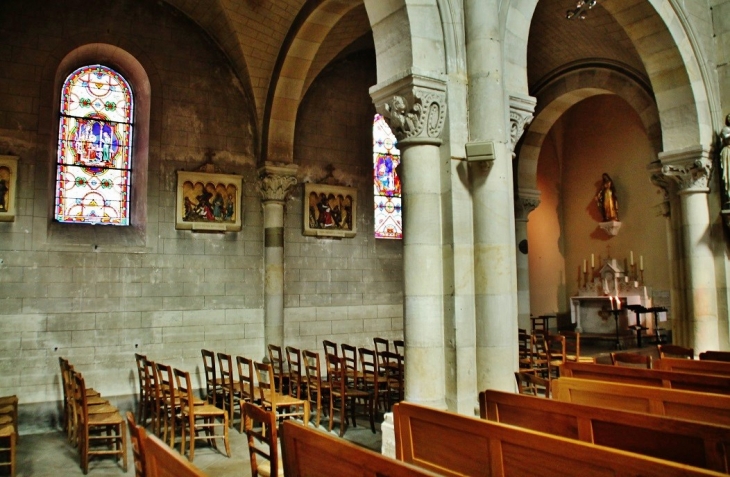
(94, 163)
(386, 157)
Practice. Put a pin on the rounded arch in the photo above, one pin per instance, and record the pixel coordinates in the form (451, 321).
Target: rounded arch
(666, 49)
(568, 89)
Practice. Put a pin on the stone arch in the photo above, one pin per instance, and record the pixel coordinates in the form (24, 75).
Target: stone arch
(667, 50)
(560, 94)
(400, 31)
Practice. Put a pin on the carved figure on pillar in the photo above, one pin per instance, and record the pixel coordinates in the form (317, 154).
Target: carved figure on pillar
(725, 159)
(607, 200)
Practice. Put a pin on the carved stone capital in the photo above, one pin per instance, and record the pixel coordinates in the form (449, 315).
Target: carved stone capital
(277, 181)
(414, 106)
(667, 186)
(690, 168)
(526, 201)
(521, 113)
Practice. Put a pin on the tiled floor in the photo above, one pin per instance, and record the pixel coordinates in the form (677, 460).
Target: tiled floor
(50, 455)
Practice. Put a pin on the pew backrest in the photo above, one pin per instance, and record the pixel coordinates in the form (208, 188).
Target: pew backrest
(719, 368)
(715, 355)
(311, 453)
(162, 461)
(695, 406)
(648, 377)
(686, 442)
(457, 445)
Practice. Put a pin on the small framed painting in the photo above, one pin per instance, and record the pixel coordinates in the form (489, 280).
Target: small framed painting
(8, 187)
(330, 211)
(208, 202)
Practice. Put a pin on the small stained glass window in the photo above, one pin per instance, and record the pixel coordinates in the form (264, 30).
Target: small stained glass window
(94, 163)
(386, 157)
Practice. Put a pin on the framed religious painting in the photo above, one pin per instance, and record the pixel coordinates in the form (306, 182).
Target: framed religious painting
(8, 187)
(330, 211)
(208, 202)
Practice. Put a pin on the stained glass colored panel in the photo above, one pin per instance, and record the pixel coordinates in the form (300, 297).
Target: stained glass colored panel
(386, 183)
(94, 148)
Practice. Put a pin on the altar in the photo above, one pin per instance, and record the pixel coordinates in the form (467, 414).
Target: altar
(610, 289)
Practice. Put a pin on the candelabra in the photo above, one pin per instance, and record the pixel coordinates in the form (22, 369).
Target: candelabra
(580, 9)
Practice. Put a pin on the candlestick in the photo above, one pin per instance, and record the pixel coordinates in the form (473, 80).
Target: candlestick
(584, 266)
(641, 263)
(631, 259)
(593, 263)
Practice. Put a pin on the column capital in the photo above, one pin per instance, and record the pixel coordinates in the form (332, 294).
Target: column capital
(526, 201)
(521, 113)
(277, 181)
(414, 106)
(689, 168)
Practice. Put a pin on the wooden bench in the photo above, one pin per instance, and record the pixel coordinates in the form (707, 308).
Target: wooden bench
(715, 356)
(691, 443)
(702, 407)
(720, 368)
(309, 452)
(648, 377)
(162, 461)
(456, 445)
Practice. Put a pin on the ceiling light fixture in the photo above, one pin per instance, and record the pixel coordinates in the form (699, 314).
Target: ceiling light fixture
(581, 7)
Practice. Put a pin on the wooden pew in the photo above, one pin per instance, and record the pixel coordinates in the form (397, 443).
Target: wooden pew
(648, 377)
(715, 355)
(161, 461)
(702, 407)
(720, 368)
(686, 442)
(456, 445)
(309, 452)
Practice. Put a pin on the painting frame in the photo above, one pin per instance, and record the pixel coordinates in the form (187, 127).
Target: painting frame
(208, 202)
(329, 211)
(8, 187)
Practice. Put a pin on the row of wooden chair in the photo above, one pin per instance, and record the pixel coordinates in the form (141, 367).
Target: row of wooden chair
(168, 401)
(8, 431)
(92, 424)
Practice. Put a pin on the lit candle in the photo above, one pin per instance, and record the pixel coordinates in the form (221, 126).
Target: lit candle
(631, 257)
(584, 266)
(593, 263)
(641, 263)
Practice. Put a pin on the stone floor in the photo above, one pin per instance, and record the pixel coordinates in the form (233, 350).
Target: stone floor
(50, 455)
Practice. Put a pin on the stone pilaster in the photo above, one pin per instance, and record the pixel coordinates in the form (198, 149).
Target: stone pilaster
(526, 201)
(690, 169)
(521, 113)
(415, 108)
(276, 184)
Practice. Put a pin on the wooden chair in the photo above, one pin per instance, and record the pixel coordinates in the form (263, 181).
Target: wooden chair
(248, 391)
(156, 396)
(283, 405)
(349, 353)
(381, 345)
(715, 356)
(297, 379)
(9, 408)
(103, 428)
(540, 357)
(281, 379)
(317, 389)
(399, 346)
(635, 360)
(144, 402)
(213, 392)
(137, 435)
(161, 461)
(330, 347)
(394, 369)
(343, 394)
(96, 405)
(373, 380)
(572, 348)
(197, 416)
(230, 387)
(262, 443)
(524, 349)
(8, 431)
(69, 413)
(169, 403)
(675, 351)
(555, 354)
(532, 385)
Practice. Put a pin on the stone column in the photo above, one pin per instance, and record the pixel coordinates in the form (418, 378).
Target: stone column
(691, 169)
(415, 108)
(526, 201)
(276, 183)
(491, 181)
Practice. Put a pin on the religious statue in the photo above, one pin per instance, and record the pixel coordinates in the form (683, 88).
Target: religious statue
(725, 156)
(607, 200)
